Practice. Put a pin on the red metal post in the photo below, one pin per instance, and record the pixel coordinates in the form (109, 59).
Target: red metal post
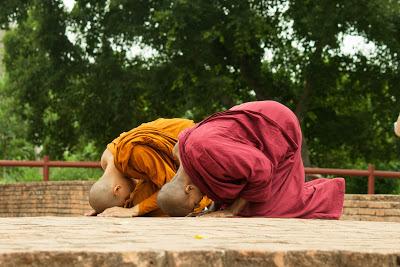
(371, 179)
(46, 168)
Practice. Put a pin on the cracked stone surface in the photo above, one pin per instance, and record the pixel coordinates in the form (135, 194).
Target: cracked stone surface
(96, 241)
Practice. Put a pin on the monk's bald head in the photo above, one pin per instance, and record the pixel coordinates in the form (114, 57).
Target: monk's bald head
(111, 190)
(101, 195)
(180, 196)
(173, 200)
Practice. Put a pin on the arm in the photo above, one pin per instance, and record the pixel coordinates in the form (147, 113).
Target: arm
(231, 211)
(148, 205)
(237, 206)
(120, 212)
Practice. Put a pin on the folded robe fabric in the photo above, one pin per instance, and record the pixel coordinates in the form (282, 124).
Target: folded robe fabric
(145, 154)
(253, 151)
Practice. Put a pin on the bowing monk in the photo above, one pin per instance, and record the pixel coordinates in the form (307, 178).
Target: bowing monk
(136, 165)
(248, 161)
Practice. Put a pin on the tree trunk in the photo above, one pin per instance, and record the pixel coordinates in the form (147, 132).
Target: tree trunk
(300, 111)
(302, 105)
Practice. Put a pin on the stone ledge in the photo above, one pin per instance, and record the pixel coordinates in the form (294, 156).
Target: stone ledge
(231, 258)
(372, 204)
(370, 218)
(372, 197)
(371, 211)
(96, 241)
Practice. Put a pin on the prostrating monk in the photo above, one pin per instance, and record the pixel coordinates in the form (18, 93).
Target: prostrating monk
(136, 165)
(248, 160)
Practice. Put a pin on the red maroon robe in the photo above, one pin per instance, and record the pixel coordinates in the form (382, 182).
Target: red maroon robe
(253, 151)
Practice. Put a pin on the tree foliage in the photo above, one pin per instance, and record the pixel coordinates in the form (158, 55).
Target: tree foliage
(76, 77)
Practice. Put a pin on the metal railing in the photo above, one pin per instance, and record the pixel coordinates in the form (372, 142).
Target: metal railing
(46, 164)
(371, 173)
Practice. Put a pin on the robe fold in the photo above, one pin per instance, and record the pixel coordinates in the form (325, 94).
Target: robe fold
(253, 151)
(145, 154)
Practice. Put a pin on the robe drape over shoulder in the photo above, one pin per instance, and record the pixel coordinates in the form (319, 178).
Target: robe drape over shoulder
(253, 151)
(145, 154)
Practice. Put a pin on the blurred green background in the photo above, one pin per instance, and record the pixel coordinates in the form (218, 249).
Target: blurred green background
(75, 74)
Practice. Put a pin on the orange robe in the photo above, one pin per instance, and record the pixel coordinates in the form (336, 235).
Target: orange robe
(145, 154)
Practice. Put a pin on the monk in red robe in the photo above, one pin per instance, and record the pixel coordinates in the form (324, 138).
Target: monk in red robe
(248, 161)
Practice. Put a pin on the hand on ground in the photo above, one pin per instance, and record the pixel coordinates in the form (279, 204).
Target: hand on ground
(91, 213)
(119, 212)
(198, 214)
(219, 214)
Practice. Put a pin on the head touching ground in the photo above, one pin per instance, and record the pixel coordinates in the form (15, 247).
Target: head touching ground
(179, 197)
(101, 196)
(173, 200)
(112, 189)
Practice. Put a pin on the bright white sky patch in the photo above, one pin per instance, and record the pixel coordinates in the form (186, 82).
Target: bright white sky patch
(355, 44)
(145, 52)
(69, 4)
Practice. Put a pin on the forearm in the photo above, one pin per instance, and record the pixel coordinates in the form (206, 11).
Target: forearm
(148, 205)
(237, 206)
(230, 211)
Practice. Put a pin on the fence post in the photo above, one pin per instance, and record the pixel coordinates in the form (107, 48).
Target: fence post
(371, 179)
(45, 168)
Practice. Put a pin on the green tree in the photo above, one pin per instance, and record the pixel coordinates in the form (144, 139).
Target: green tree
(13, 143)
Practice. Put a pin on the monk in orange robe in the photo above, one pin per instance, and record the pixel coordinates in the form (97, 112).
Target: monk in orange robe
(136, 165)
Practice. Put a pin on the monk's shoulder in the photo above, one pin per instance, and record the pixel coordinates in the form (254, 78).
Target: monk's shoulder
(163, 123)
(172, 127)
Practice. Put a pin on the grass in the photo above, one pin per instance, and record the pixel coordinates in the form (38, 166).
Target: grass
(26, 174)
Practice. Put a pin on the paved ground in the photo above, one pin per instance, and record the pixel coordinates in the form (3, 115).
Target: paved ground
(83, 241)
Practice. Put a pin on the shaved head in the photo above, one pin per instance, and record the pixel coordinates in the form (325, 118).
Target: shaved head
(180, 196)
(112, 189)
(173, 200)
(101, 195)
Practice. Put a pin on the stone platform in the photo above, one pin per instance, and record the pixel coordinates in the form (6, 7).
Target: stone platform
(95, 241)
(71, 198)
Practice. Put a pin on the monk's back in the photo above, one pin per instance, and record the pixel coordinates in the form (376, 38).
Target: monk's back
(278, 113)
(265, 125)
(171, 127)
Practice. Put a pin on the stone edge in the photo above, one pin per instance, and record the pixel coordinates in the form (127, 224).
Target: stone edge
(201, 258)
